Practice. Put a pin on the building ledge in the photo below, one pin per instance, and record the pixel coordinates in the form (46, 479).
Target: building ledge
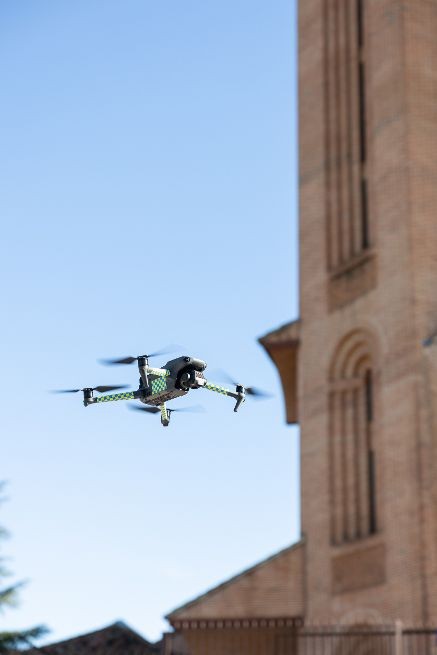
(282, 346)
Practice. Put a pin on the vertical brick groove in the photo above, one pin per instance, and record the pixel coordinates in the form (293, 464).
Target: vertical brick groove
(347, 207)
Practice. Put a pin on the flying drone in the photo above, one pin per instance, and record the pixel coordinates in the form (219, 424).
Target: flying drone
(157, 386)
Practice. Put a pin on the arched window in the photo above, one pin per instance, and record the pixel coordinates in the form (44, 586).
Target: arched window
(351, 434)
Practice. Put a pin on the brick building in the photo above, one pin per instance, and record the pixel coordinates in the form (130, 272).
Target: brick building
(115, 639)
(359, 367)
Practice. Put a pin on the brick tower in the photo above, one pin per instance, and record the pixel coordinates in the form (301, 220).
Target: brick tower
(359, 366)
(359, 369)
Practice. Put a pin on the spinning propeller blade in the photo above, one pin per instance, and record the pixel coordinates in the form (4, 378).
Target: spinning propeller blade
(257, 393)
(131, 359)
(149, 410)
(125, 360)
(192, 409)
(250, 391)
(157, 410)
(100, 389)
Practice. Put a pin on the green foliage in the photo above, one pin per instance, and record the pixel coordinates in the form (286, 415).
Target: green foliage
(14, 640)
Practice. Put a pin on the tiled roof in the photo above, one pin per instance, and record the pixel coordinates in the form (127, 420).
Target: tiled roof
(270, 588)
(115, 639)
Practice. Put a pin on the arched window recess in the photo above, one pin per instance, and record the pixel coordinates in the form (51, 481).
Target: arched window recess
(352, 434)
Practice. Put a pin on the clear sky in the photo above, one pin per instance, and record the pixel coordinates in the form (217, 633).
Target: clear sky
(148, 168)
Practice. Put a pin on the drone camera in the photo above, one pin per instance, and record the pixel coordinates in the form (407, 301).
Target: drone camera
(191, 379)
(197, 364)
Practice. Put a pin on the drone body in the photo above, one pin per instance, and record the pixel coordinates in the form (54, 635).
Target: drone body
(157, 386)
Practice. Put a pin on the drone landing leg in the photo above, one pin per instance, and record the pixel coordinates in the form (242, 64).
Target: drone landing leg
(165, 415)
(239, 394)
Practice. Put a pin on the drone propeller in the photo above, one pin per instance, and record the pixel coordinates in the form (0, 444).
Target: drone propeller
(250, 391)
(131, 359)
(198, 409)
(157, 410)
(149, 410)
(100, 389)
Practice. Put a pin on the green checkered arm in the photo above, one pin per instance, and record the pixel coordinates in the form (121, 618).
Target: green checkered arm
(222, 390)
(217, 388)
(159, 372)
(127, 395)
(238, 395)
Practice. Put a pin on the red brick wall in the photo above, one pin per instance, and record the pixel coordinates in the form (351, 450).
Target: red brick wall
(273, 588)
(397, 307)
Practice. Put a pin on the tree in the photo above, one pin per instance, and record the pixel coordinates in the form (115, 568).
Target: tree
(14, 640)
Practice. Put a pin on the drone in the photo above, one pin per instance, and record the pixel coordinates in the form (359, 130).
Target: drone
(158, 386)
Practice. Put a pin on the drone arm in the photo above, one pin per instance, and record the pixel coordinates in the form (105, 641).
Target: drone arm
(238, 395)
(219, 389)
(127, 395)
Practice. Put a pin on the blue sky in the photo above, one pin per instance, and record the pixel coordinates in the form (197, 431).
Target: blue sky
(148, 168)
